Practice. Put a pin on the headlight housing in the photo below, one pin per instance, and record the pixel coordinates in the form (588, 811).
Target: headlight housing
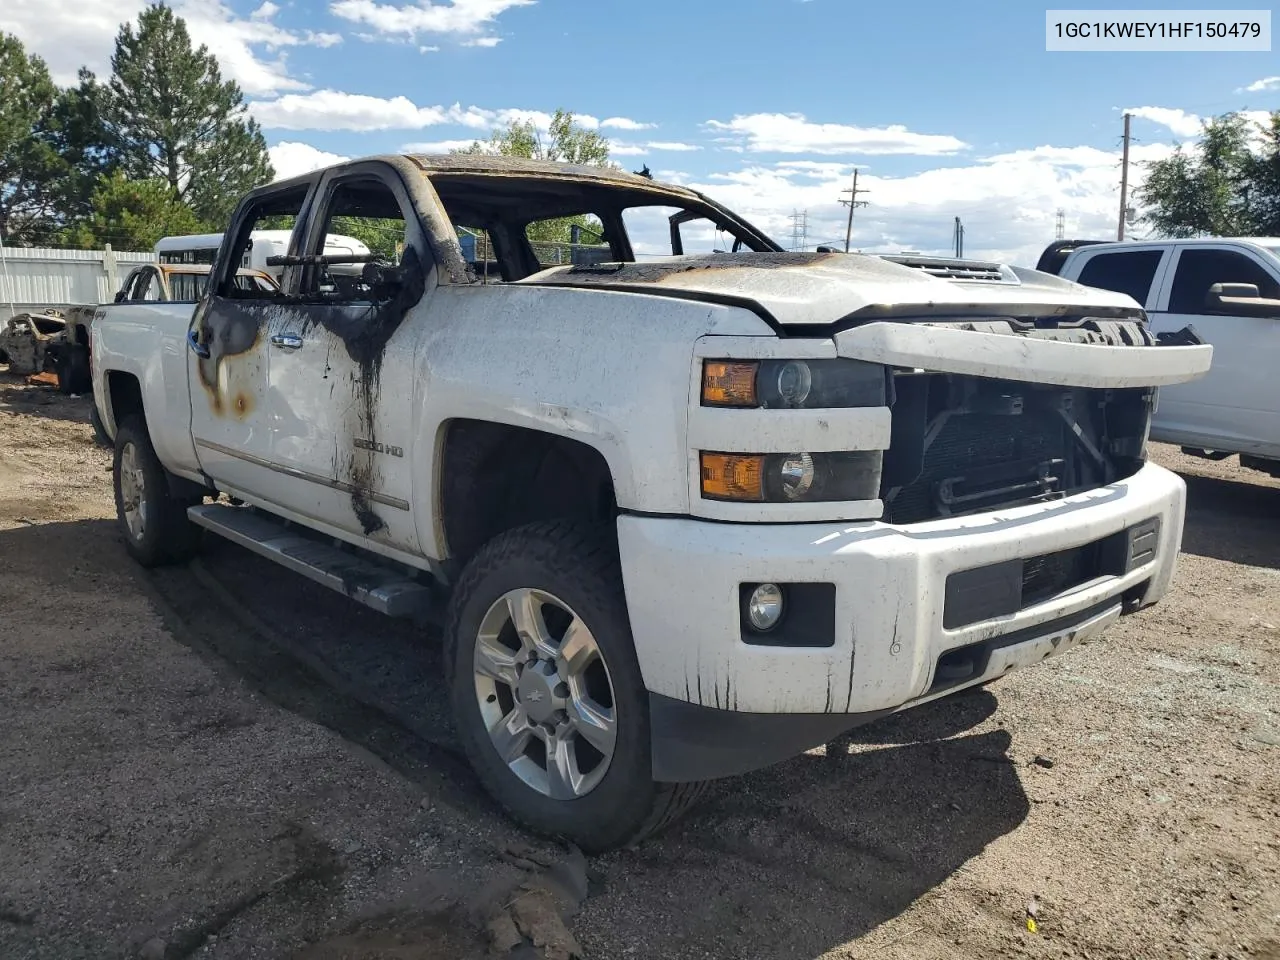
(792, 384)
(791, 477)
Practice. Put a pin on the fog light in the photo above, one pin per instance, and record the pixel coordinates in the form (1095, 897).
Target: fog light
(764, 608)
(797, 475)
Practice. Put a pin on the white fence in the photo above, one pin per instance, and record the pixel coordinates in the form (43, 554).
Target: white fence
(32, 278)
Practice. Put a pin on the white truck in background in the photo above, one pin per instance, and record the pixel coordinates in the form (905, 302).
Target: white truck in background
(684, 517)
(1228, 291)
(202, 248)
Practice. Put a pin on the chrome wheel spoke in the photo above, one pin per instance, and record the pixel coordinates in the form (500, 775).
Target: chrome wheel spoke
(564, 781)
(495, 661)
(524, 608)
(511, 735)
(593, 723)
(577, 650)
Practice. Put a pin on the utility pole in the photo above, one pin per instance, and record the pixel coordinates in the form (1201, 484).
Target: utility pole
(853, 201)
(1124, 181)
(1060, 227)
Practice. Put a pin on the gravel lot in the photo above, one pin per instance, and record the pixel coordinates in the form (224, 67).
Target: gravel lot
(224, 760)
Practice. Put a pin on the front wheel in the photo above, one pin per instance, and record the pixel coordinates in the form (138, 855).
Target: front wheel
(154, 522)
(547, 693)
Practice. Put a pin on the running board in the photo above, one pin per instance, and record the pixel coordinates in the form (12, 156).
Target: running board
(380, 587)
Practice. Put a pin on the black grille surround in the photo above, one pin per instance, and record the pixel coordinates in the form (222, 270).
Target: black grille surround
(969, 444)
(1002, 589)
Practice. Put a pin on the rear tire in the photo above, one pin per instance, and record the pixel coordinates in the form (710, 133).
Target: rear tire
(570, 574)
(73, 369)
(152, 520)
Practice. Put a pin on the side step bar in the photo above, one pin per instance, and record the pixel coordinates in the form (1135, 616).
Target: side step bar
(382, 588)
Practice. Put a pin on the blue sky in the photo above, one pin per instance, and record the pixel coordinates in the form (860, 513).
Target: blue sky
(948, 109)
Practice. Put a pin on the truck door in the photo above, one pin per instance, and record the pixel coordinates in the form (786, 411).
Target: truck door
(343, 389)
(1235, 403)
(228, 355)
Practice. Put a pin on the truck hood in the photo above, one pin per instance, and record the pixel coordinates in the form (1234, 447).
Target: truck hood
(822, 288)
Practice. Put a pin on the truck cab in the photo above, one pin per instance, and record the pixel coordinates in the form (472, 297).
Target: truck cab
(1228, 291)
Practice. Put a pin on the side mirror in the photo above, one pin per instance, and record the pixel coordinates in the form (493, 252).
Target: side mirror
(119, 296)
(387, 280)
(1241, 300)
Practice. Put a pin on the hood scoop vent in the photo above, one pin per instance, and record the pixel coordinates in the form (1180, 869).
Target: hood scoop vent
(947, 268)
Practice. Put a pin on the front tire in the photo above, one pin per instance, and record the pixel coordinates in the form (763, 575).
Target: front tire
(547, 693)
(153, 521)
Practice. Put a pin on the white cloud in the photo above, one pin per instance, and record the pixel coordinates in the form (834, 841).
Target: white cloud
(428, 49)
(1007, 201)
(626, 123)
(672, 146)
(482, 42)
(1182, 123)
(250, 51)
(1266, 83)
(624, 149)
(793, 133)
(436, 146)
(336, 110)
(292, 159)
(458, 17)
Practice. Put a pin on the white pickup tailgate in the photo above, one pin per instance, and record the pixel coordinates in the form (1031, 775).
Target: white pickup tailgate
(1011, 356)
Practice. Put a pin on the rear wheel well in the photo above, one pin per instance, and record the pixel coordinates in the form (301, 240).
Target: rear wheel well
(497, 477)
(126, 397)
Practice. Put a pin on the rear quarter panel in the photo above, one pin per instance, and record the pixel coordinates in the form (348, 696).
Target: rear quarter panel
(148, 342)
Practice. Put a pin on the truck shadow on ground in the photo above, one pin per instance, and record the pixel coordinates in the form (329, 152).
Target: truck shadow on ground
(789, 861)
(1215, 507)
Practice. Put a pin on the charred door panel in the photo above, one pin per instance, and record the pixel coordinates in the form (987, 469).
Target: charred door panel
(229, 419)
(342, 396)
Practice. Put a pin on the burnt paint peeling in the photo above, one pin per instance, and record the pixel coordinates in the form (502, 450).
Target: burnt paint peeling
(235, 329)
(613, 273)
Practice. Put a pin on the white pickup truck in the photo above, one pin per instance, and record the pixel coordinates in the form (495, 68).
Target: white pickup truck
(685, 516)
(1228, 291)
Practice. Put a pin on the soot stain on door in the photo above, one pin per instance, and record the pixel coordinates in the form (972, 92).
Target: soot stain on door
(234, 329)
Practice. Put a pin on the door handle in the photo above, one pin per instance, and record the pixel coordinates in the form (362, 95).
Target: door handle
(286, 341)
(198, 348)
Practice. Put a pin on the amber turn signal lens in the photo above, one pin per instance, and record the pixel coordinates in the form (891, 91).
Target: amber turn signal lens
(727, 476)
(727, 384)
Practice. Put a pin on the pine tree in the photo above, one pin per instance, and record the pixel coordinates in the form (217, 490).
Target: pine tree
(170, 116)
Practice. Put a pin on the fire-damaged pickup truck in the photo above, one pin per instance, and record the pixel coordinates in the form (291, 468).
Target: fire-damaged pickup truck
(682, 516)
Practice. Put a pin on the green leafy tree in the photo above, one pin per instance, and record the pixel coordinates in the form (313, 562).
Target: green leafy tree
(382, 236)
(567, 142)
(31, 170)
(1263, 200)
(133, 215)
(169, 115)
(1221, 186)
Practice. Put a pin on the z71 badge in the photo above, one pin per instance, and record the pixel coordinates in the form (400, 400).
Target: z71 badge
(379, 447)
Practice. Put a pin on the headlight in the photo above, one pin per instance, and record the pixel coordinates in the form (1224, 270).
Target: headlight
(791, 477)
(792, 384)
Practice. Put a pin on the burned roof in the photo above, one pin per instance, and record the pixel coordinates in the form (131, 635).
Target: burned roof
(494, 165)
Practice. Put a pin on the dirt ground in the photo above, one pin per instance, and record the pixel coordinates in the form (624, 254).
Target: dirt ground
(225, 761)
